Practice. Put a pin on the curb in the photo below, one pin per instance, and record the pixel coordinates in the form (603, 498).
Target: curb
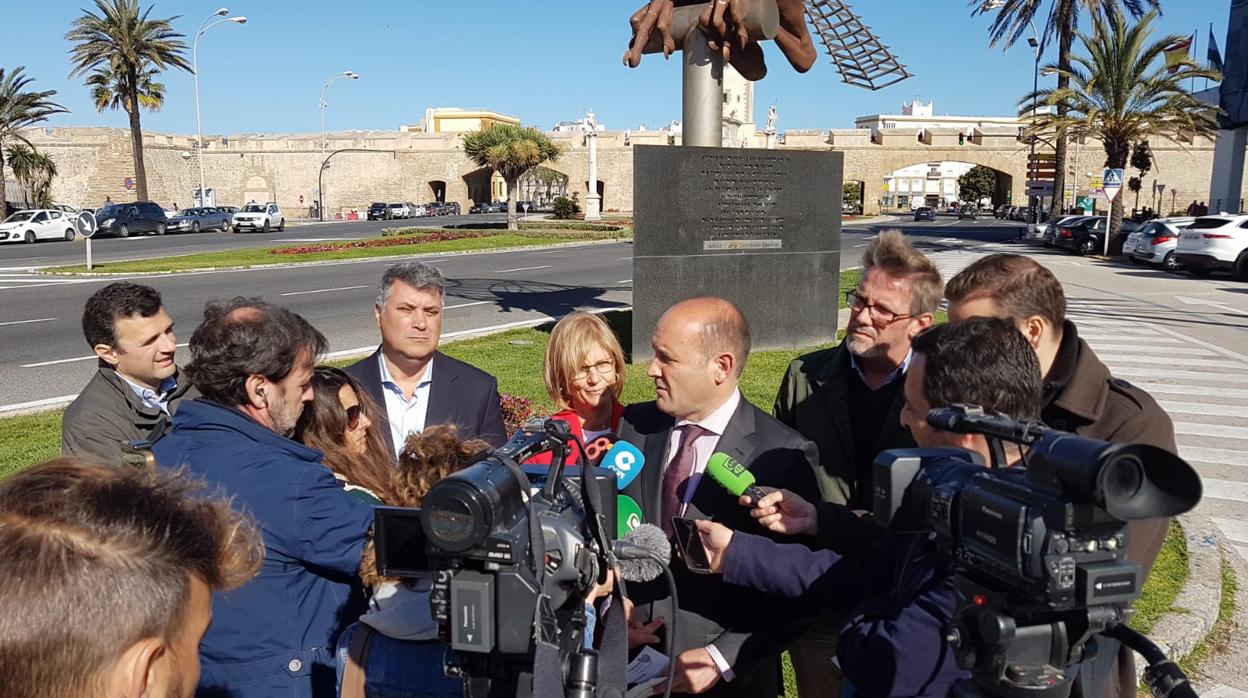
(1196, 607)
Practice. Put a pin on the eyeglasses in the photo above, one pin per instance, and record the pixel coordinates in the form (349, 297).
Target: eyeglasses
(603, 368)
(879, 316)
(353, 416)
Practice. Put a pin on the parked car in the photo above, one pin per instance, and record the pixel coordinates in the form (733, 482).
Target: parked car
(453, 208)
(924, 213)
(193, 220)
(967, 212)
(231, 210)
(400, 210)
(38, 224)
(1155, 242)
(1088, 236)
(482, 207)
(262, 217)
(418, 210)
(1215, 243)
(378, 211)
(1049, 238)
(123, 220)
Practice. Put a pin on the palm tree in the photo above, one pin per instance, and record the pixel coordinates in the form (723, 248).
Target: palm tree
(20, 109)
(1122, 93)
(510, 151)
(1012, 21)
(44, 171)
(122, 50)
(22, 161)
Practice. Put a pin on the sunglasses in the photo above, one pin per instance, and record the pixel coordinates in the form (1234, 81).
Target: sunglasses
(353, 416)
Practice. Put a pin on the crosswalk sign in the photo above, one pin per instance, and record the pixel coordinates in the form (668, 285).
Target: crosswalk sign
(1111, 182)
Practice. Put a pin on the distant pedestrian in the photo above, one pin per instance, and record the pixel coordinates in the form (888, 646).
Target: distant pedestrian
(108, 199)
(175, 206)
(1192, 208)
(1202, 209)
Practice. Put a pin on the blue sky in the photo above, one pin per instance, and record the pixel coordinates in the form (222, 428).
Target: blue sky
(543, 61)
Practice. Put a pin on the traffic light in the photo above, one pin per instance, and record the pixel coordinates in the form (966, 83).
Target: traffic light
(961, 139)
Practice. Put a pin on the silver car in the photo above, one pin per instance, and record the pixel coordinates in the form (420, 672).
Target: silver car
(1155, 241)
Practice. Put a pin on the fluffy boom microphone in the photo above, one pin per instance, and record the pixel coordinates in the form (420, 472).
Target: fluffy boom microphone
(643, 553)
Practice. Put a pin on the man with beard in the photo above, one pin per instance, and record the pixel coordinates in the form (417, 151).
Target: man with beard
(253, 364)
(848, 401)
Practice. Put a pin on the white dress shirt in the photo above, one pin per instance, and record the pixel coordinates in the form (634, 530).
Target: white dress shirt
(406, 416)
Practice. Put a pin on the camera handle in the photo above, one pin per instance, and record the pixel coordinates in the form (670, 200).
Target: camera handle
(1163, 676)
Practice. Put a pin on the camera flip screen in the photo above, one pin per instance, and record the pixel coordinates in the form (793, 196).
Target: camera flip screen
(401, 547)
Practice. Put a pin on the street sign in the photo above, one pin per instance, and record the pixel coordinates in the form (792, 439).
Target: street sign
(1161, 188)
(85, 224)
(1094, 183)
(1040, 188)
(1111, 182)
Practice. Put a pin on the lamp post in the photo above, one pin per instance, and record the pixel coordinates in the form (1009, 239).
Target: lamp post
(208, 23)
(1034, 43)
(320, 195)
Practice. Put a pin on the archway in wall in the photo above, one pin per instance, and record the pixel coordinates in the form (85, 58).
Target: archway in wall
(935, 184)
(542, 185)
(258, 190)
(478, 184)
(437, 188)
(852, 197)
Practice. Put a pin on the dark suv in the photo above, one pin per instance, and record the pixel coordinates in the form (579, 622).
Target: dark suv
(378, 212)
(124, 220)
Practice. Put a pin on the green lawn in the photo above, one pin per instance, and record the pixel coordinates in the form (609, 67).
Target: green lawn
(253, 257)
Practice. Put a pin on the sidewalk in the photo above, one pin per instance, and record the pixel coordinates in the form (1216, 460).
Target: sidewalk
(1181, 339)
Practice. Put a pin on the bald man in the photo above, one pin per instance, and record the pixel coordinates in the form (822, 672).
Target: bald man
(727, 643)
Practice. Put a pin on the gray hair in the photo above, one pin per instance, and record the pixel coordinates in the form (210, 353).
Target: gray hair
(414, 274)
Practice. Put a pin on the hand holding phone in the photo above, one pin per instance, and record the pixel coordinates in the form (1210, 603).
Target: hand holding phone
(689, 544)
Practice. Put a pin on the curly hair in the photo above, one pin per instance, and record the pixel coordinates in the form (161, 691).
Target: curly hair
(427, 457)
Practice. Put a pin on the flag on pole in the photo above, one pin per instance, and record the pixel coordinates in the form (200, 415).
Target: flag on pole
(1213, 55)
(1176, 53)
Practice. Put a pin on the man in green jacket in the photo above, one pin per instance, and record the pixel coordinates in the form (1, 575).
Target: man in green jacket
(848, 401)
(137, 387)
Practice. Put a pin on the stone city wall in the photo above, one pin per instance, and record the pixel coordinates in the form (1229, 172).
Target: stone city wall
(94, 162)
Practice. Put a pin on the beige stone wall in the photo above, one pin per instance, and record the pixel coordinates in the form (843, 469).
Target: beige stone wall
(93, 163)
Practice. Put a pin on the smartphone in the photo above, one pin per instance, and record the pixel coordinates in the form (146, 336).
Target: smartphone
(690, 545)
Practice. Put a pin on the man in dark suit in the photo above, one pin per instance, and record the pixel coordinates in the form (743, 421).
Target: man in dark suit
(413, 383)
(726, 642)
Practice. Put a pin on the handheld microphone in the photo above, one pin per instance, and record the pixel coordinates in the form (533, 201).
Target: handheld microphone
(596, 450)
(733, 476)
(628, 515)
(643, 553)
(625, 461)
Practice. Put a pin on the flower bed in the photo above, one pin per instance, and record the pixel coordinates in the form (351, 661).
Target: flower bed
(435, 236)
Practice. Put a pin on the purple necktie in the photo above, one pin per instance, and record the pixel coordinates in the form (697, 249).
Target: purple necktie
(676, 477)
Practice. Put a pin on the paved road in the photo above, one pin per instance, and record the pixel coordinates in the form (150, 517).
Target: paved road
(54, 253)
(44, 358)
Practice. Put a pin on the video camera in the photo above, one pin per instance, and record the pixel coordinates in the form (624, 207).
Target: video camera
(513, 552)
(1041, 549)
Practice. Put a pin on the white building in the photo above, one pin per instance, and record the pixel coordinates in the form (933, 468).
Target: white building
(917, 115)
(927, 184)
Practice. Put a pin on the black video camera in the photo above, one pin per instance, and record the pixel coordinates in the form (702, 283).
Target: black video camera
(513, 551)
(1041, 548)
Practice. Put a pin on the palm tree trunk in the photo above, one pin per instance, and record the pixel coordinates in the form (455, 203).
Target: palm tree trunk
(136, 141)
(512, 223)
(1065, 38)
(4, 209)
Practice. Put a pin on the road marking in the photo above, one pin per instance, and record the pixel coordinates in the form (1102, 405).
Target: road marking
(508, 271)
(1203, 391)
(625, 281)
(1221, 350)
(323, 290)
(1156, 372)
(69, 361)
(36, 404)
(465, 305)
(1214, 456)
(1151, 360)
(1235, 530)
(1202, 408)
(1225, 489)
(25, 322)
(1218, 431)
(1200, 301)
(1108, 347)
(862, 245)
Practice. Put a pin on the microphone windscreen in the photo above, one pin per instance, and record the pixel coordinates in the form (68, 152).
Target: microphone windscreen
(730, 474)
(625, 461)
(634, 553)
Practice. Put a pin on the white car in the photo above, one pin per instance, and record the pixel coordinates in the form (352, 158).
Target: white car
(1215, 243)
(38, 224)
(262, 217)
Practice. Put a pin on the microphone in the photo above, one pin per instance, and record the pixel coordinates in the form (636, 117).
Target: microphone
(628, 515)
(733, 476)
(596, 450)
(625, 461)
(643, 553)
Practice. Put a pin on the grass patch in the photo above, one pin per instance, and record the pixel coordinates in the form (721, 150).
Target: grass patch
(255, 257)
(29, 439)
(1164, 583)
(1219, 638)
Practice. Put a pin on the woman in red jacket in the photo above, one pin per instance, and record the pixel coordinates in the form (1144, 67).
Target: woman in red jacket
(584, 375)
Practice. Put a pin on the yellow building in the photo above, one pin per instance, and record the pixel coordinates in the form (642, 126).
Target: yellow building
(456, 120)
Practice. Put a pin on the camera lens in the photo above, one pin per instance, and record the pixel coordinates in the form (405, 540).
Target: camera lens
(1122, 478)
(452, 522)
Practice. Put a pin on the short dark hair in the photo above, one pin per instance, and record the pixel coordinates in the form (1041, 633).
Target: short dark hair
(1020, 285)
(415, 274)
(245, 337)
(982, 361)
(97, 558)
(117, 300)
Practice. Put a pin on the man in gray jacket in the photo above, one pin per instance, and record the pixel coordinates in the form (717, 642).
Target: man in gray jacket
(137, 387)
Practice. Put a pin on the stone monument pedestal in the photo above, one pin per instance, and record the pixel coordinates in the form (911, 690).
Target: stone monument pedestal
(761, 228)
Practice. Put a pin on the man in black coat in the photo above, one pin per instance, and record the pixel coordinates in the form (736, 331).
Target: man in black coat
(413, 383)
(726, 642)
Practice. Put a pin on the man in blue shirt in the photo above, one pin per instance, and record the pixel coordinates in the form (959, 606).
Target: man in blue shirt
(253, 363)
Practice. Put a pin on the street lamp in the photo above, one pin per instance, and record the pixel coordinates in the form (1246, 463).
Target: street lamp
(1034, 43)
(320, 195)
(208, 23)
